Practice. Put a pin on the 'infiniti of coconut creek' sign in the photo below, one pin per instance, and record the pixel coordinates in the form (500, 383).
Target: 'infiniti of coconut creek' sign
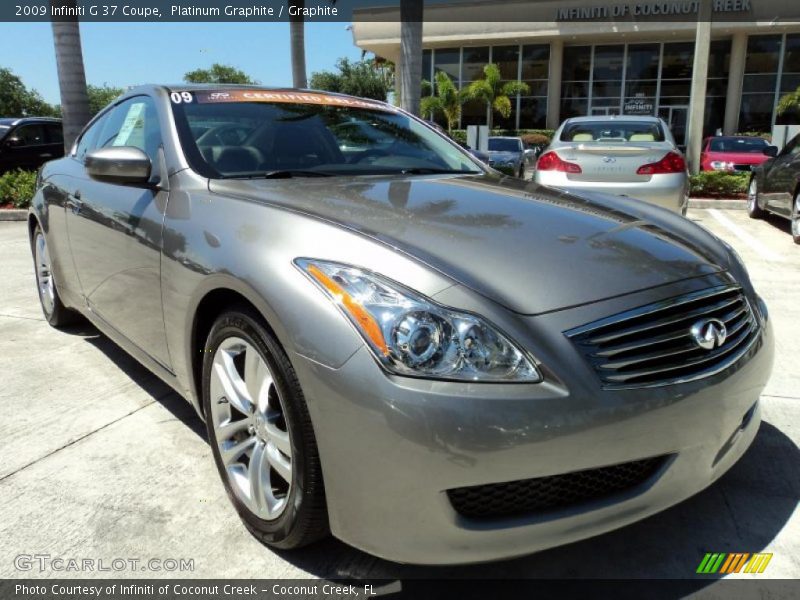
(680, 8)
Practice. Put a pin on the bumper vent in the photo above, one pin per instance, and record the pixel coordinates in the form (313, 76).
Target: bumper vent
(555, 492)
(654, 345)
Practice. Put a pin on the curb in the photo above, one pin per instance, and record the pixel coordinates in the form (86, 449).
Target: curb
(13, 214)
(717, 203)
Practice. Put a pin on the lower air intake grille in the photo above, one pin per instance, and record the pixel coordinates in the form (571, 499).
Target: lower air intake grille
(655, 344)
(555, 492)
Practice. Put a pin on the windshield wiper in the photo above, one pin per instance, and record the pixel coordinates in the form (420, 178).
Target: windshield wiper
(430, 171)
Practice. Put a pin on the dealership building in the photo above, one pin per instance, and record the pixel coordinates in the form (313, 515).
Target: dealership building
(611, 58)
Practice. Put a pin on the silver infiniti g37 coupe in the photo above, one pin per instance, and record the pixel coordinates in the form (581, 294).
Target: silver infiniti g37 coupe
(390, 341)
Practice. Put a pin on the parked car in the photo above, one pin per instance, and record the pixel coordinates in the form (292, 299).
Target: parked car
(27, 143)
(775, 185)
(509, 155)
(624, 156)
(401, 346)
(732, 153)
(481, 156)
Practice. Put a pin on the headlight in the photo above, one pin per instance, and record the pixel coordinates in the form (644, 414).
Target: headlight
(411, 335)
(721, 165)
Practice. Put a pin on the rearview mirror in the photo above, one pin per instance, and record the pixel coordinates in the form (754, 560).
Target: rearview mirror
(771, 151)
(120, 164)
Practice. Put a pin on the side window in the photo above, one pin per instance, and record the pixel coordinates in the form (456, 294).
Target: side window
(133, 123)
(795, 149)
(29, 135)
(88, 140)
(55, 134)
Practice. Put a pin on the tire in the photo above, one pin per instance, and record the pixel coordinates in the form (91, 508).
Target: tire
(753, 209)
(796, 218)
(283, 511)
(522, 172)
(53, 308)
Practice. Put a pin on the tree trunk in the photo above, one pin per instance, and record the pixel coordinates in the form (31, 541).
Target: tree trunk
(298, 44)
(71, 76)
(411, 12)
(489, 116)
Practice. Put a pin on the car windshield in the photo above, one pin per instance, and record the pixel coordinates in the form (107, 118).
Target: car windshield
(238, 133)
(503, 145)
(744, 145)
(613, 131)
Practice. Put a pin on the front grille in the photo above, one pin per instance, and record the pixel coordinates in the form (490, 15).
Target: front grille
(654, 345)
(551, 493)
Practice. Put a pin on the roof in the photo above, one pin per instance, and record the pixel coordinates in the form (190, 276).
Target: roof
(629, 118)
(9, 121)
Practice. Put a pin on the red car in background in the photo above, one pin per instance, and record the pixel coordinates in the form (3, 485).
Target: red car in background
(732, 153)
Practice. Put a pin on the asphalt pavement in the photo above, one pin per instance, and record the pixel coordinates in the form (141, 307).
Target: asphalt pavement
(99, 460)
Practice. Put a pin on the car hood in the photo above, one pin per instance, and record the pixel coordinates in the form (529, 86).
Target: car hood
(525, 246)
(496, 156)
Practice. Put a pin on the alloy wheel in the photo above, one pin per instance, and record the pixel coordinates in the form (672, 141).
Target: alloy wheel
(44, 274)
(249, 421)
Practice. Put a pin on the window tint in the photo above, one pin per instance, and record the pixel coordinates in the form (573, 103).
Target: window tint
(132, 123)
(88, 140)
(613, 131)
(54, 134)
(503, 145)
(30, 135)
(753, 145)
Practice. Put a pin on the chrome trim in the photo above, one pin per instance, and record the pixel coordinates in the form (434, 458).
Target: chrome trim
(740, 328)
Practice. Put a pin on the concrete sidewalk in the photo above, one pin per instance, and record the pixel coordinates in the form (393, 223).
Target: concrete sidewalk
(98, 459)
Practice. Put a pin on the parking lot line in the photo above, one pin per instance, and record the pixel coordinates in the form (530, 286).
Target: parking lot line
(748, 239)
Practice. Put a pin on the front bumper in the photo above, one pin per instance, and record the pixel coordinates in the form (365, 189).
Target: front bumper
(391, 447)
(669, 191)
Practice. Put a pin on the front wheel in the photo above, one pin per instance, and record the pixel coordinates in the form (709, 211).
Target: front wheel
(53, 309)
(261, 434)
(796, 218)
(753, 209)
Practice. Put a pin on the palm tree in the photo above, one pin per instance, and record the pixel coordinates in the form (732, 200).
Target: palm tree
(447, 101)
(298, 45)
(411, 12)
(494, 93)
(71, 76)
(789, 102)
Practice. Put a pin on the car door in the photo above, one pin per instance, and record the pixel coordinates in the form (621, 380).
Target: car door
(54, 136)
(115, 235)
(780, 178)
(25, 147)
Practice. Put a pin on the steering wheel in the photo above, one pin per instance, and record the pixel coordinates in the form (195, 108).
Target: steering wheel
(372, 152)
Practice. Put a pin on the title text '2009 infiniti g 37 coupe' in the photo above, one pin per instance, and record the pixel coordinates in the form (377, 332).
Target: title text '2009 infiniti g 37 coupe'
(390, 341)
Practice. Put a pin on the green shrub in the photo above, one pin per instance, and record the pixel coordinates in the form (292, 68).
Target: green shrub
(459, 135)
(719, 184)
(17, 188)
(762, 134)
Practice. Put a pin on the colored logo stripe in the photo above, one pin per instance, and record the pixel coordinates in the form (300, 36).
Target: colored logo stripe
(723, 562)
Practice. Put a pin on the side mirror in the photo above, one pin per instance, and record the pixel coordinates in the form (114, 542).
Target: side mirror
(530, 152)
(119, 164)
(771, 151)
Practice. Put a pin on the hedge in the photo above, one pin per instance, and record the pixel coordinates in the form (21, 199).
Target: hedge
(17, 188)
(535, 137)
(719, 184)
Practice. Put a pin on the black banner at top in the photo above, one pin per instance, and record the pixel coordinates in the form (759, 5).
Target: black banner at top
(559, 13)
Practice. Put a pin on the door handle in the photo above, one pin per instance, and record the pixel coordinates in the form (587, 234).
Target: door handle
(74, 202)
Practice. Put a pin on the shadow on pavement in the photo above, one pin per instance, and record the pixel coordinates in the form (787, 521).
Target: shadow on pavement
(150, 383)
(742, 512)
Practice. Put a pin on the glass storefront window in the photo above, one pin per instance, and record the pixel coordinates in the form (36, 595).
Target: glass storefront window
(532, 113)
(643, 61)
(507, 60)
(678, 60)
(535, 62)
(474, 61)
(577, 63)
(608, 62)
(427, 62)
(762, 54)
(448, 60)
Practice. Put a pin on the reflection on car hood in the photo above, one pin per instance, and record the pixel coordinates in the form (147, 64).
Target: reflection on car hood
(496, 155)
(527, 247)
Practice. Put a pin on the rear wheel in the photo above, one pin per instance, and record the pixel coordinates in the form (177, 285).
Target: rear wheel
(753, 209)
(261, 434)
(796, 218)
(53, 309)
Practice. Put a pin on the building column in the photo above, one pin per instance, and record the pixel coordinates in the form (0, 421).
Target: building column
(697, 102)
(554, 83)
(733, 99)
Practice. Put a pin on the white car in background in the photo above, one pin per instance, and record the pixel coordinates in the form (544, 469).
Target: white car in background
(619, 155)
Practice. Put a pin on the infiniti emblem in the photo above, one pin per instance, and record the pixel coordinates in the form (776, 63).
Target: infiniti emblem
(609, 159)
(709, 333)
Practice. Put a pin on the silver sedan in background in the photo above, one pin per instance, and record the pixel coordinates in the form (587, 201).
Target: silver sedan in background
(622, 156)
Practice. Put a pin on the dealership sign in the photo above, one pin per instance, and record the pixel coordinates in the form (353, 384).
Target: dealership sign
(649, 9)
(638, 106)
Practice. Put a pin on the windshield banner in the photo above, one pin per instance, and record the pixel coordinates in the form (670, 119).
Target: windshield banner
(213, 97)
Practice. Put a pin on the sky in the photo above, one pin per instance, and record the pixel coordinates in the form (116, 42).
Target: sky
(124, 54)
